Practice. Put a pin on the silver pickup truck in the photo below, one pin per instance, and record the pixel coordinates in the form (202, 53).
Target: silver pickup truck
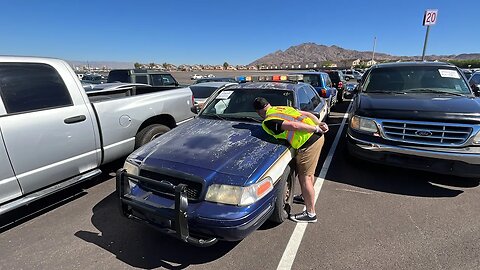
(53, 134)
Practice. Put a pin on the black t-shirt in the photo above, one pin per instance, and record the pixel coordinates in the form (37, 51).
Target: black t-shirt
(275, 125)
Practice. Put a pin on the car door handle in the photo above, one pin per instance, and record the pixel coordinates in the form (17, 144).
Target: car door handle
(75, 119)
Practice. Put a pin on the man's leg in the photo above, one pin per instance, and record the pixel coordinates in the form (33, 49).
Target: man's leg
(308, 192)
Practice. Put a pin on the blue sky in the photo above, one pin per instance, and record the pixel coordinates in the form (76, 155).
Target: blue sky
(239, 32)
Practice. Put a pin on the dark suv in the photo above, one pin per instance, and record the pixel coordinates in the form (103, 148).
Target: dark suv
(339, 82)
(420, 115)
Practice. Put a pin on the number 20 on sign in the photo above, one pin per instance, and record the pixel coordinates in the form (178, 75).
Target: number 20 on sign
(430, 17)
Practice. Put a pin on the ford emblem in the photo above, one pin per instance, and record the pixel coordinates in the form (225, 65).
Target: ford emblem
(423, 133)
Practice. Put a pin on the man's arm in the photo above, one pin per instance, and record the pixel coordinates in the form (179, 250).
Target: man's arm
(294, 126)
(311, 116)
(322, 125)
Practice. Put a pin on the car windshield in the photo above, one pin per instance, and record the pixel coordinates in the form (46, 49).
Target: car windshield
(237, 103)
(411, 79)
(202, 91)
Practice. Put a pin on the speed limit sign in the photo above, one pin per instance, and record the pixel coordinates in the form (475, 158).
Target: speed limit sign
(430, 17)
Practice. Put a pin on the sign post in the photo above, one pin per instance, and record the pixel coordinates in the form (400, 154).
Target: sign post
(429, 18)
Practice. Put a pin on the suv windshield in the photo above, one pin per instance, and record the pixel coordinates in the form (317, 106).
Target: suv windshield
(411, 79)
(237, 103)
(202, 91)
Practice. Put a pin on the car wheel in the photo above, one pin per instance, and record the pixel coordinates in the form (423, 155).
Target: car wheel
(284, 200)
(347, 79)
(149, 133)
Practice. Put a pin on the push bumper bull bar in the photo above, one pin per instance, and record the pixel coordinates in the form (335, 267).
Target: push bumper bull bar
(175, 220)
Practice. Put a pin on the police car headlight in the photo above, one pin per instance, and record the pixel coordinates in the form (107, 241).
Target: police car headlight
(363, 124)
(132, 168)
(236, 195)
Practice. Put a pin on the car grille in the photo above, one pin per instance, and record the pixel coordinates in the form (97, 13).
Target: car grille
(426, 133)
(193, 190)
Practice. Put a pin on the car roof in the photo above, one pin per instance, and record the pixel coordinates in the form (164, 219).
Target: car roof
(212, 84)
(310, 72)
(406, 64)
(290, 86)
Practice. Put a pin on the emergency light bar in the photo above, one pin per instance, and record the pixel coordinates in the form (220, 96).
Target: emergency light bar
(271, 78)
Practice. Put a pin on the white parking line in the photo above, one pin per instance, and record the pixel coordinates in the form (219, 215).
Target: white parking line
(291, 250)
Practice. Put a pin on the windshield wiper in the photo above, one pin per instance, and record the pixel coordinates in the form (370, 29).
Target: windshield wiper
(210, 115)
(430, 90)
(246, 118)
(386, 92)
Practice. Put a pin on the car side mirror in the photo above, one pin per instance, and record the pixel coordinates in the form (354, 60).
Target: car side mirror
(195, 109)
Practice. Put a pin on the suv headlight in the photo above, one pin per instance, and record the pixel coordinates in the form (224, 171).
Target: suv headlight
(237, 195)
(363, 124)
(476, 140)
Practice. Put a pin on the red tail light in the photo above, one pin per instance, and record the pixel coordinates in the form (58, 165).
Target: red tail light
(340, 85)
(324, 92)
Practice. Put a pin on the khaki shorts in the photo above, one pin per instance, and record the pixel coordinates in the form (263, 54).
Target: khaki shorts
(307, 158)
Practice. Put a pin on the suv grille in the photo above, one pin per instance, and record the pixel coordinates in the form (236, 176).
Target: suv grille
(193, 190)
(426, 133)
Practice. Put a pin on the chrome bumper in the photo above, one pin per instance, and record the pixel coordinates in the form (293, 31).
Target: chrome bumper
(469, 155)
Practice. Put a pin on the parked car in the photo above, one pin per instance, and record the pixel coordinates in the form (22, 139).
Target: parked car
(351, 74)
(93, 79)
(216, 79)
(202, 91)
(324, 86)
(338, 81)
(474, 81)
(196, 77)
(420, 115)
(349, 90)
(219, 176)
(159, 79)
(54, 135)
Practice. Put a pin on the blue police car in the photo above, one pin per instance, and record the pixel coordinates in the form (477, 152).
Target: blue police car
(218, 176)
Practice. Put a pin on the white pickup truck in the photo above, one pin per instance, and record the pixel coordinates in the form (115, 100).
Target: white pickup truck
(53, 134)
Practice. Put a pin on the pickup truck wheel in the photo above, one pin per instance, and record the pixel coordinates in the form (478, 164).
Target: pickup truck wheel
(284, 200)
(149, 133)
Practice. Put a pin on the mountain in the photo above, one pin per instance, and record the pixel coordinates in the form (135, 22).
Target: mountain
(311, 52)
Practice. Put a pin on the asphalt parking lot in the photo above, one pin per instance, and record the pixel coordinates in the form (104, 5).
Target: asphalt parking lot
(370, 217)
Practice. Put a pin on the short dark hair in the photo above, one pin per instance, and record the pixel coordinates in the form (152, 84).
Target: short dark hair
(260, 103)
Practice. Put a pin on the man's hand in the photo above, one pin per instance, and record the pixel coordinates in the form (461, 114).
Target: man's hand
(323, 127)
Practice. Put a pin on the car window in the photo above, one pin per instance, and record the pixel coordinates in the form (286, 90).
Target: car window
(416, 78)
(475, 79)
(202, 91)
(167, 79)
(118, 76)
(312, 79)
(313, 96)
(28, 87)
(328, 81)
(238, 102)
(304, 100)
(141, 79)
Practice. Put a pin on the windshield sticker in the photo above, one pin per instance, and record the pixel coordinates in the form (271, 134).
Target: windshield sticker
(224, 95)
(449, 73)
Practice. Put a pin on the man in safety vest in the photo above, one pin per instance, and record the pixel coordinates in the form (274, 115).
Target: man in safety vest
(304, 132)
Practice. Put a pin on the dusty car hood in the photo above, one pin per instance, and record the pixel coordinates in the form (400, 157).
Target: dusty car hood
(209, 148)
(419, 107)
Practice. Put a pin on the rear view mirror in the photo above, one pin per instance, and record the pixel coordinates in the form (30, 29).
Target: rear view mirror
(195, 109)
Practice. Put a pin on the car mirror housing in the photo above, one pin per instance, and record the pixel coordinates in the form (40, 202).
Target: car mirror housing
(195, 109)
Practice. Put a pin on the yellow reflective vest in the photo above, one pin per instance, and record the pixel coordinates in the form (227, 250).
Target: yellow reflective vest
(295, 138)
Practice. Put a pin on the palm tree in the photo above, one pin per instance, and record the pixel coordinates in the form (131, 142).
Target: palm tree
(225, 65)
